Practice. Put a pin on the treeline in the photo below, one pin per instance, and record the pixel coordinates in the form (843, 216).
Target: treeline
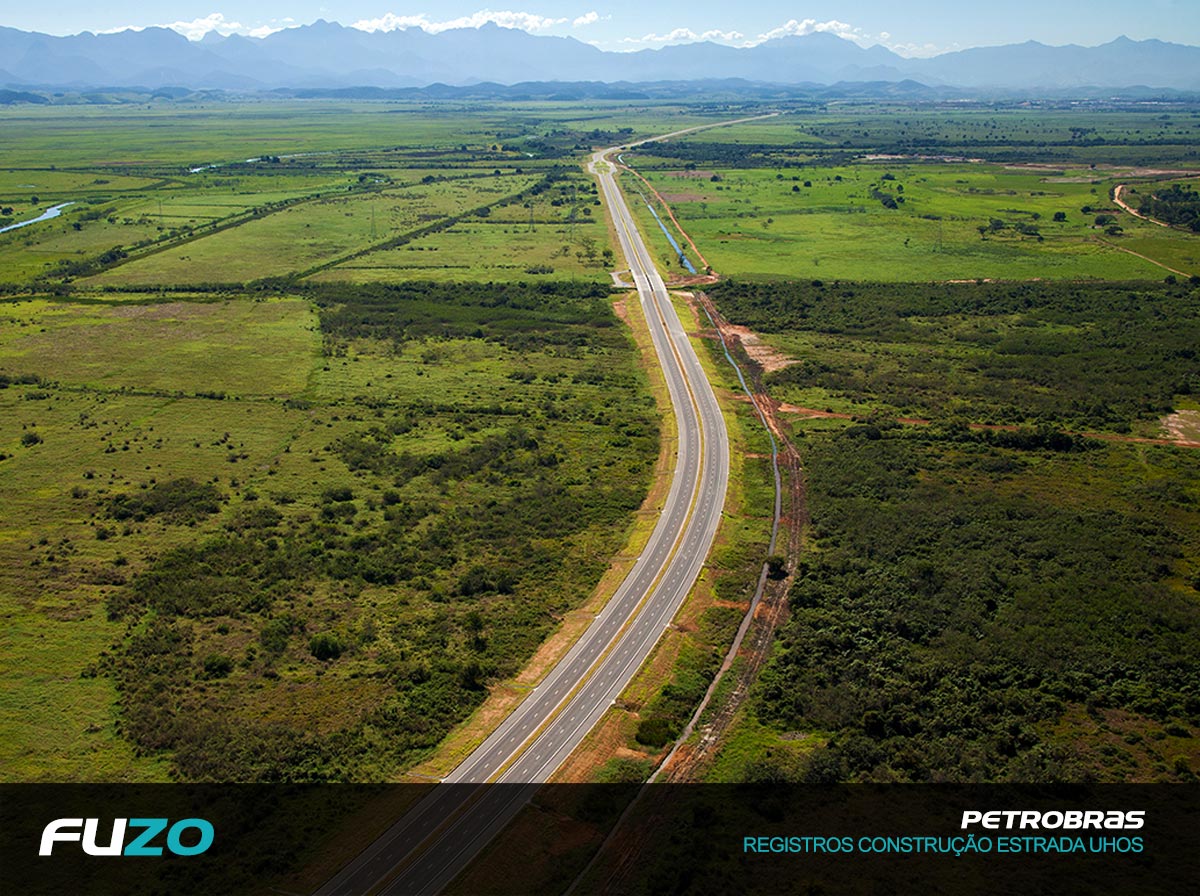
(1074, 355)
(1176, 205)
(520, 315)
(945, 627)
(728, 155)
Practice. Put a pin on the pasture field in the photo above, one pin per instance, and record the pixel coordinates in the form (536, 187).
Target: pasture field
(552, 232)
(181, 194)
(182, 445)
(1125, 134)
(946, 221)
(906, 194)
(311, 234)
(177, 136)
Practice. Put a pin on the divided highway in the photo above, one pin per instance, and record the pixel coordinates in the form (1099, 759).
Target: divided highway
(436, 840)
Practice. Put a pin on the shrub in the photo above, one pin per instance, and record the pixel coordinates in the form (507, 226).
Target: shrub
(325, 646)
(179, 500)
(217, 665)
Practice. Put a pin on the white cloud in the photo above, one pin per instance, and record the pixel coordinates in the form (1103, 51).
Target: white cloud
(588, 18)
(849, 32)
(809, 26)
(790, 28)
(215, 21)
(684, 35)
(525, 21)
(921, 51)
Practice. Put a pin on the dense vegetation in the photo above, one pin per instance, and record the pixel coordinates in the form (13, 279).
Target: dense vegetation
(982, 604)
(965, 604)
(518, 315)
(1094, 356)
(180, 501)
(1176, 205)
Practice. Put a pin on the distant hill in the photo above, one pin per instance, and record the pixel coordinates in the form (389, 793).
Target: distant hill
(327, 55)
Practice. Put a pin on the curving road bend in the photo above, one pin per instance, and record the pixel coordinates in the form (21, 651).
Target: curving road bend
(439, 837)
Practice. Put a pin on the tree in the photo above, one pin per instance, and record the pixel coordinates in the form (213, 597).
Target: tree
(1060, 216)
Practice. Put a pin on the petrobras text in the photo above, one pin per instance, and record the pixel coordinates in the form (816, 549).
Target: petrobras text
(1053, 820)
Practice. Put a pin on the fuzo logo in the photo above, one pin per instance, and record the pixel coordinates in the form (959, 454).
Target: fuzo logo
(67, 830)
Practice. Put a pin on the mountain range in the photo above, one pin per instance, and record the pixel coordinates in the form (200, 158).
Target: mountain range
(327, 55)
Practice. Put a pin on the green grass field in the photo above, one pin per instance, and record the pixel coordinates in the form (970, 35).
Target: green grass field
(765, 222)
(304, 236)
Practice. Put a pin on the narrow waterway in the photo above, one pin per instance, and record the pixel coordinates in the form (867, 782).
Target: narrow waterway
(683, 259)
(53, 212)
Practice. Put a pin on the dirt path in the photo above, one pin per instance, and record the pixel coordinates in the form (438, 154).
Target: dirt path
(1121, 202)
(1165, 267)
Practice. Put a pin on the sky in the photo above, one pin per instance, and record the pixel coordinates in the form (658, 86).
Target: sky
(909, 27)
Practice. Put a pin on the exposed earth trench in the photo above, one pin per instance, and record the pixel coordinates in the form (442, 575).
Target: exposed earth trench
(692, 758)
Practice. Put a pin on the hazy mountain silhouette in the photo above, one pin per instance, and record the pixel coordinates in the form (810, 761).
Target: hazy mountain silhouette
(329, 55)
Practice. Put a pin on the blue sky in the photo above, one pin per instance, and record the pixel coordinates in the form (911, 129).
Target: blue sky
(910, 27)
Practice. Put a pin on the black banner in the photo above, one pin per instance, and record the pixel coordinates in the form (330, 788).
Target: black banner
(768, 839)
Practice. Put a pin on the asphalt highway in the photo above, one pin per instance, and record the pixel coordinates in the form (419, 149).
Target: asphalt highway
(439, 836)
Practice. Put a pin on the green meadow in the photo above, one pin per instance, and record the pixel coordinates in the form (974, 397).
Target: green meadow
(307, 235)
(906, 194)
(831, 223)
